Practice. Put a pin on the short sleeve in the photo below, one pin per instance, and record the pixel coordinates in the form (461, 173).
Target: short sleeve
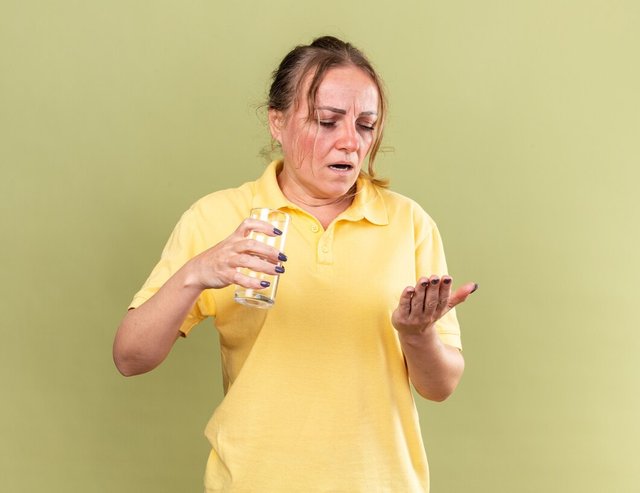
(430, 260)
(184, 243)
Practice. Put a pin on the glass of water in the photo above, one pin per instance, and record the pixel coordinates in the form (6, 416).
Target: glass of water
(264, 297)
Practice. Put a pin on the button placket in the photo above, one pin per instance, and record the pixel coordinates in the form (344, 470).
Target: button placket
(325, 254)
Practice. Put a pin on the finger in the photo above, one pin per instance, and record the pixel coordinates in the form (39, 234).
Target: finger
(268, 240)
(250, 224)
(249, 281)
(462, 293)
(260, 249)
(433, 293)
(404, 305)
(419, 298)
(443, 295)
(256, 264)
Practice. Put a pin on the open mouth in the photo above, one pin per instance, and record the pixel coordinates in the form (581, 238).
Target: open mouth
(341, 166)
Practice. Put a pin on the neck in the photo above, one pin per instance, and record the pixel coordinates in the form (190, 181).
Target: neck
(324, 209)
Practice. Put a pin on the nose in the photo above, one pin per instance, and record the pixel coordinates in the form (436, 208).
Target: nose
(348, 140)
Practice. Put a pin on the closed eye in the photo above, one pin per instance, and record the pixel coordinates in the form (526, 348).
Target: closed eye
(331, 123)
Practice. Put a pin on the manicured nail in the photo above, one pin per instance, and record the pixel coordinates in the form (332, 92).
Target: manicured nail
(279, 269)
(424, 284)
(475, 288)
(265, 284)
(447, 280)
(277, 231)
(435, 281)
(282, 257)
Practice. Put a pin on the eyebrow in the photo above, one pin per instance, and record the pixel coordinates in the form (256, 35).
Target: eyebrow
(343, 112)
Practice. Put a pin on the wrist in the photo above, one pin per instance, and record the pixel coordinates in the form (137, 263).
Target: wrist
(190, 278)
(427, 336)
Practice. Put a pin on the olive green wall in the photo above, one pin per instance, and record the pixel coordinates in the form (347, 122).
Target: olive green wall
(515, 124)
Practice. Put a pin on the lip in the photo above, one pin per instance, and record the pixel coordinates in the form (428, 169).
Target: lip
(342, 166)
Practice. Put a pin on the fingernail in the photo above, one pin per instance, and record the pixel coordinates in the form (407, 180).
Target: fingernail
(265, 284)
(282, 257)
(447, 280)
(435, 281)
(475, 288)
(279, 269)
(277, 231)
(424, 284)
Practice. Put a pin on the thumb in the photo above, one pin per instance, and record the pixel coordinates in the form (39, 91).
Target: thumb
(461, 294)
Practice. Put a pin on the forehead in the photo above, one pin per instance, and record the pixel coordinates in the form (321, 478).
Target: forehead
(345, 87)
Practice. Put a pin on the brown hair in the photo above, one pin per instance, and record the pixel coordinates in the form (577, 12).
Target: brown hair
(316, 59)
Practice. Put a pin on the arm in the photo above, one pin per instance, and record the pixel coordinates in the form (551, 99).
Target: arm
(147, 334)
(434, 367)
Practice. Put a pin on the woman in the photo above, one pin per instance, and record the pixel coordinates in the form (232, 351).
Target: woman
(317, 392)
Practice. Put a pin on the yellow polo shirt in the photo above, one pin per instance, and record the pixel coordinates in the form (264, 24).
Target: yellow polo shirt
(317, 396)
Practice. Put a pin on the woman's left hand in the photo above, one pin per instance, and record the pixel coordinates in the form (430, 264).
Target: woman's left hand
(421, 306)
(434, 368)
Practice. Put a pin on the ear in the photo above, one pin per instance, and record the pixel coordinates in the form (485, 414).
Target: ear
(276, 123)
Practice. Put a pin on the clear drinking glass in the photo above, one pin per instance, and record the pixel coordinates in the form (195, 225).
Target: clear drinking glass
(264, 297)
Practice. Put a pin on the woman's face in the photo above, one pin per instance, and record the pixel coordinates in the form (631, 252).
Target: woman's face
(323, 156)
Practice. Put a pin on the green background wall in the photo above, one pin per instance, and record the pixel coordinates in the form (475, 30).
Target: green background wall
(515, 124)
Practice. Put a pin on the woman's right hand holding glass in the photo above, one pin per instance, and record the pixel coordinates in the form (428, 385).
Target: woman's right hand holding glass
(218, 266)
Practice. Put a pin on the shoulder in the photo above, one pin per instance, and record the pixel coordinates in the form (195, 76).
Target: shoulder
(401, 207)
(226, 200)
(219, 212)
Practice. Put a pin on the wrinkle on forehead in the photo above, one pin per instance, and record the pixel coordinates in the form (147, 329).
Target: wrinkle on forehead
(304, 90)
(344, 93)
